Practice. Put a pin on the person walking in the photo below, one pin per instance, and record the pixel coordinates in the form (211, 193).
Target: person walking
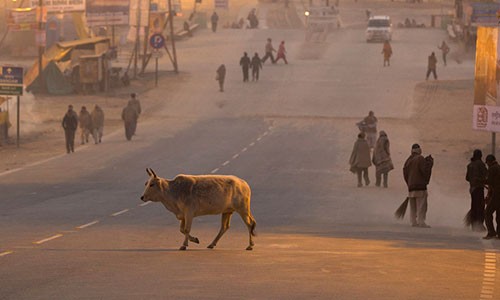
(417, 172)
(387, 52)
(129, 117)
(97, 116)
(360, 159)
(493, 199)
(256, 66)
(269, 49)
(70, 124)
(382, 159)
(214, 20)
(245, 65)
(85, 125)
(476, 176)
(431, 66)
(369, 127)
(281, 53)
(221, 76)
(445, 49)
(136, 104)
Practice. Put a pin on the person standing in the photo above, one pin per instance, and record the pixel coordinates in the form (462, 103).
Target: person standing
(214, 20)
(221, 76)
(476, 176)
(445, 49)
(369, 127)
(269, 49)
(136, 104)
(281, 53)
(493, 199)
(256, 66)
(85, 125)
(360, 159)
(382, 159)
(245, 65)
(417, 172)
(97, 116)
(129, 117)
(387, 52)
(431, 66)
(70, 124)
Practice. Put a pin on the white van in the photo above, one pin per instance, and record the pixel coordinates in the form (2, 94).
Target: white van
(379, 29)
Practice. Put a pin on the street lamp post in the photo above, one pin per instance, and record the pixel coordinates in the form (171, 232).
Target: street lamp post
(40, 47)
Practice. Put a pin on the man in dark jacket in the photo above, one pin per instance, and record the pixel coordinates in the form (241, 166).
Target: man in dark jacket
(476, 176)
(245, 65)
(214, 20)
(129, 117)
(136, 104)
(417, 174)
(221, 76)
(256, 66)
(70, 124)
(431, 66)
(493, 199)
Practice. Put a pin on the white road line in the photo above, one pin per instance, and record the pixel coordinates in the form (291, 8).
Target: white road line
(226, 163)
(259, 138)
(244, 149)
(6, 253)
(48, 239)
(145, 203)
(87, 225)
(235, 156)
(265, 133)
(120, 212)
(489, 274)
(214, 170)
(252, 144)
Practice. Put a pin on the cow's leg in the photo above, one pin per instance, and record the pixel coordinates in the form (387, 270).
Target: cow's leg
(224, 226)
(191, 238)
(250, 222)
(188, 220)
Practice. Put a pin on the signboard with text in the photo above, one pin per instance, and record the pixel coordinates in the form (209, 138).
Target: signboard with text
(107, 12)
(11, 81)
(61, 5)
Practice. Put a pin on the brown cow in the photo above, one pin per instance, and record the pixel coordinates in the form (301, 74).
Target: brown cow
(188, 196)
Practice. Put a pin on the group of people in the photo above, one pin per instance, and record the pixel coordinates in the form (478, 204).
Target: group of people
(255, 63)
(92, 123)
(89, 123)
(417, 169)
(431, 60)
(417, 172)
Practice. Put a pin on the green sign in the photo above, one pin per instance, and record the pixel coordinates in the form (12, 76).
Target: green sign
(11, 90)
(11, 81)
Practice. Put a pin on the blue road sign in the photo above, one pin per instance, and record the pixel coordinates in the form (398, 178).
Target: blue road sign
(157, 41)
(11, 81)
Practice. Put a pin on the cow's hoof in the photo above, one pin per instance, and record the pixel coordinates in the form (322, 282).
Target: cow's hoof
(249, 248)
(183, 248)
(210, 246)
(196, 240)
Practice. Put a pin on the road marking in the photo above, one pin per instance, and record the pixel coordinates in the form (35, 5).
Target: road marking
(120, 212)
(214, 170)
(252, 144)
(6, 253)
(259, 138)
(235, 156)
(48, 239)
(489, 274)
(145, 203)
(244, 149)
(226, 163)
(87, 225)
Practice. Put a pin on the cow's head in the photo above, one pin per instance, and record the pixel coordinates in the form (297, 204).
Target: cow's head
(153, 191)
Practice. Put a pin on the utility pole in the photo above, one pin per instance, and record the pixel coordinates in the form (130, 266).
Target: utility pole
(40, 47)
(137, 38)
(171, 22)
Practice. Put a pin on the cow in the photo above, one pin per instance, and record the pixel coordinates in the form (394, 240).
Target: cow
(189, 196)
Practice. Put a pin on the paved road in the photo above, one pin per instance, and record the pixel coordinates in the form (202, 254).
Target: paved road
(74, 228)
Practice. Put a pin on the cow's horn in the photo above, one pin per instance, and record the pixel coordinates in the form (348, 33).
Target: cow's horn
(153, 172)
(148, 171)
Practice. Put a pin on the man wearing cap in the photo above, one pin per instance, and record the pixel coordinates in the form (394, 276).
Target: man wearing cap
(70, 124)
(493, 201)
(417, 174)
(476, 176)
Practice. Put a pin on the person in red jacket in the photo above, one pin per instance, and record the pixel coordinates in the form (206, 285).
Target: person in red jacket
(281, 53)
(417, 174)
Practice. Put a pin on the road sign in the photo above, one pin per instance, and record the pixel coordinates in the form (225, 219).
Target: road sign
(11, 81)
(157, 41)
